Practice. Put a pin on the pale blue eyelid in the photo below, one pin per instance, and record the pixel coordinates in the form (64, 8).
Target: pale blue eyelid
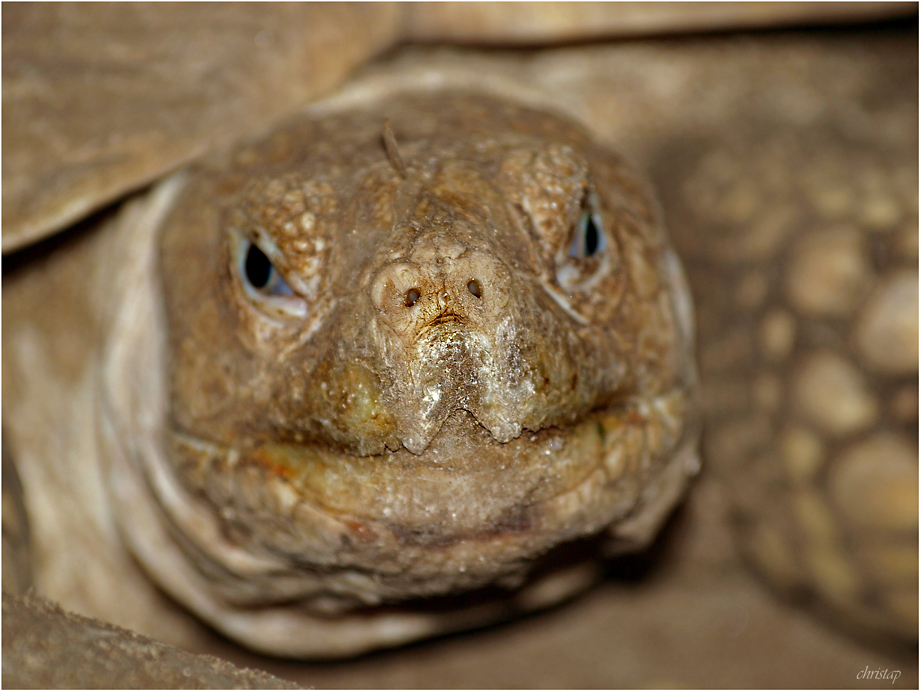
(276, 284)
(577, 247)
(601, 235)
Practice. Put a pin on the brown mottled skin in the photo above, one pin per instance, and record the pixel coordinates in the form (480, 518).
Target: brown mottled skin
(449, 389)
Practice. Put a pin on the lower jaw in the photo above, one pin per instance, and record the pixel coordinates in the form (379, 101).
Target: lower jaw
(274, 503)
(270, 606)
(303, 593)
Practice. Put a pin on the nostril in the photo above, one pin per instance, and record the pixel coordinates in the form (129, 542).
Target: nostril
(412, 296)
(474, 287)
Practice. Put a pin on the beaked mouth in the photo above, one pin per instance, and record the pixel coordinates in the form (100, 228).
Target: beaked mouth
(479, 510)
(471, 488)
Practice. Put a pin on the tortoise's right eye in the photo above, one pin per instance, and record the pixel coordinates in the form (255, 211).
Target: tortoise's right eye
(264, 284)
(262, 274)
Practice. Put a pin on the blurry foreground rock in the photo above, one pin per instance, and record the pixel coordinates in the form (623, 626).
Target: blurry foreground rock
(47, 648)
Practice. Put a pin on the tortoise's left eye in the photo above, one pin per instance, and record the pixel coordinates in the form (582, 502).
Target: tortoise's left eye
(585, 257)
(589, 238)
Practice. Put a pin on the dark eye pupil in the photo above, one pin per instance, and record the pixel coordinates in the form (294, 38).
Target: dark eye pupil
(589, 237)
(258, 268)
(592, 237)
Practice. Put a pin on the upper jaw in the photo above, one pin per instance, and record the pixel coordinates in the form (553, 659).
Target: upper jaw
(525, 369)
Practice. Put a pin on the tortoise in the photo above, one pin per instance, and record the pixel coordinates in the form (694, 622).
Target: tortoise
(786, 386)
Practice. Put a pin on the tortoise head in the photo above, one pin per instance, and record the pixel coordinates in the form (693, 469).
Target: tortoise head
(410, 362)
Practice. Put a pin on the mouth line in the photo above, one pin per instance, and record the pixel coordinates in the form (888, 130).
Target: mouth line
(444, 318)
(312, 475)
(450, 324)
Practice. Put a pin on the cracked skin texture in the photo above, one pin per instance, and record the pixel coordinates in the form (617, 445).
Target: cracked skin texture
(446, 393)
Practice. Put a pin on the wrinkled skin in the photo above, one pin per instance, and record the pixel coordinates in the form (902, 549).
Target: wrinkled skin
(472, 345)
